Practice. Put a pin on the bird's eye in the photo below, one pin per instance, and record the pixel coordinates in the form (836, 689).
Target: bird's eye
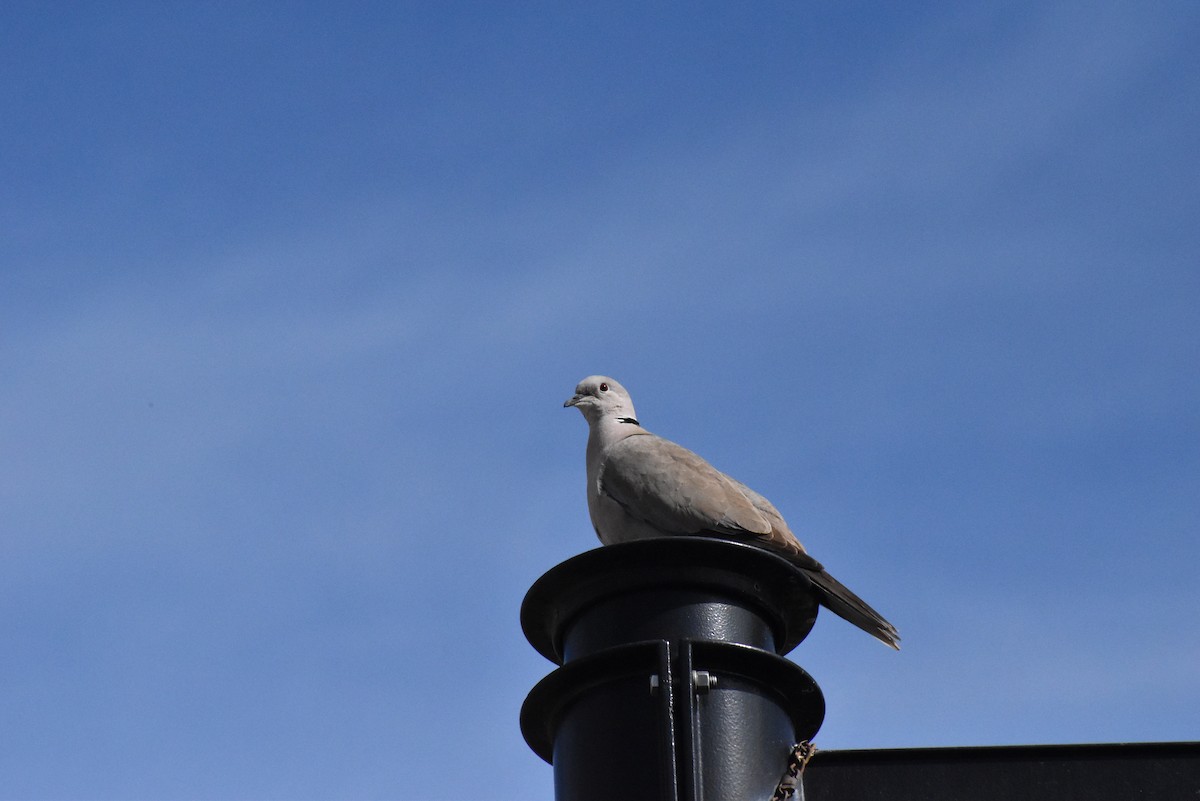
(603, 387)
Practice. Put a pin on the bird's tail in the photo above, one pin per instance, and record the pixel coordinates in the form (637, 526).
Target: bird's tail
(849, 606)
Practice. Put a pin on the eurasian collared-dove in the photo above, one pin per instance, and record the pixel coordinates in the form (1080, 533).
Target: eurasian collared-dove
(640, 485)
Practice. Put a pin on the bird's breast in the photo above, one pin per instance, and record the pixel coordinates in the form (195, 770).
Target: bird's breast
(612, 523)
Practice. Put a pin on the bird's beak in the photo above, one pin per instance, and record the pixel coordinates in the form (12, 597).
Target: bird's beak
(574, 401)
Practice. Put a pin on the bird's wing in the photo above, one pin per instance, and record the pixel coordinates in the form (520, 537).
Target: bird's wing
(674, 490)
(780, 538)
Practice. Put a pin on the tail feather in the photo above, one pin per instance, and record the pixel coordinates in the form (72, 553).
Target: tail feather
(845, 604)
(833, 594)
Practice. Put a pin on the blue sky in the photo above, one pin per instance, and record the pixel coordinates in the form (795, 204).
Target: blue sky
(291, 296)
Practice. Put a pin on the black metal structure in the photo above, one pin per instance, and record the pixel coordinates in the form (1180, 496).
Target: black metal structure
(1101, 772)
(672, 685)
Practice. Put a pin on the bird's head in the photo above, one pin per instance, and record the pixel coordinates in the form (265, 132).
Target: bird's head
(599, 396)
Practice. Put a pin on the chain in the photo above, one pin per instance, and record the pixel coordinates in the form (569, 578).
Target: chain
(797, 761)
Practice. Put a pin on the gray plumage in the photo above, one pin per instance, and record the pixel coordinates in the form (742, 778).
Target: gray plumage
(640, 485)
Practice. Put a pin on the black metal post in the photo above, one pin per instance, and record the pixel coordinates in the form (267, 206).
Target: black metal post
(672, 685)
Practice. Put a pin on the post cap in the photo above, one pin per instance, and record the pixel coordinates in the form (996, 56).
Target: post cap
(775, 590)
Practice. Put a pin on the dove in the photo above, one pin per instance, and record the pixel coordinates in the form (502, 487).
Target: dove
(640, 485)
